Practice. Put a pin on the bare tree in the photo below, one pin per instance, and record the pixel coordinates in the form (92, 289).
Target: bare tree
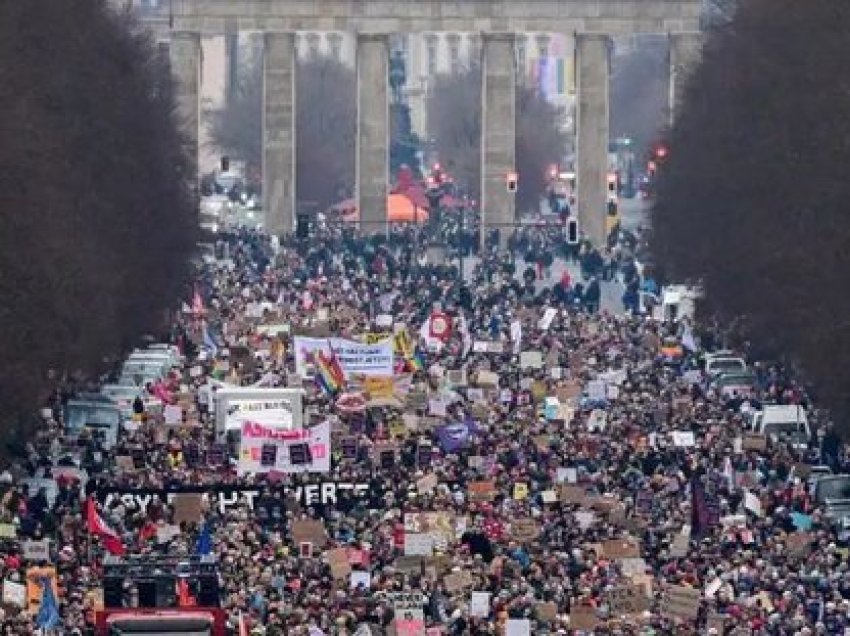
(752, 199)
(98, 221)
(454, 119)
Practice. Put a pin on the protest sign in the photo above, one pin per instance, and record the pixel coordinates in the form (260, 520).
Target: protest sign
(309, 531)
(14, 593)
(263, 449)
(173, 415)
(8, 531)
(620, 549)
(531, 360)
(187, 508)
(754, 442)
(679, 547)
(628, 599)
(338, 561)
(36, 550)
(525, 530)
(360, 580)
(379, 386)
(798, 544)
(683, 439)
(479, 604)
(681, 602)
(583, 617)
(546, 611)
(518, 627)
(418, 544)
(481, 490)
(35, 577)
(355, 358)
(548, 316)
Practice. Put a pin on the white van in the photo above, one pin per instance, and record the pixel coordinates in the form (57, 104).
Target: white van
(783, 421)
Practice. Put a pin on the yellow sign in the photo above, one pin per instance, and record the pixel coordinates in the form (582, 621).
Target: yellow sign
(402, 344)
(375, 338)
(520, 491)
(379, 386)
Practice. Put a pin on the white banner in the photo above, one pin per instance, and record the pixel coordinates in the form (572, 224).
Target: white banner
(274, 413)
(264, 449)
(355, 358)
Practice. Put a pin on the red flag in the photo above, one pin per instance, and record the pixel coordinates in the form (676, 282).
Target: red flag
(97, 526)
(148, 531)
(184, 597)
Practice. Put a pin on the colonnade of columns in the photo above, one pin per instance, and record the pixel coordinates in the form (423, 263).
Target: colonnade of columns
(498, 139)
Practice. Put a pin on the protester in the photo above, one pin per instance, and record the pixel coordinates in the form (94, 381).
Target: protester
(568, 481)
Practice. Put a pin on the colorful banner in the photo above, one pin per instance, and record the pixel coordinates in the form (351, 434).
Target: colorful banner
(264, 449)
(356, 358)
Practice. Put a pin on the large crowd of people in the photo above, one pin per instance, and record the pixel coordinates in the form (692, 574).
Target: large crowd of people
(539, 468)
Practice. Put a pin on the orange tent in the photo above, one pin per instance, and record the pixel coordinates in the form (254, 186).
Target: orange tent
(400, 209)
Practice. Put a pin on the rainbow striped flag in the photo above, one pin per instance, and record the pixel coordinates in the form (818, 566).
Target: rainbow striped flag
(329, 374)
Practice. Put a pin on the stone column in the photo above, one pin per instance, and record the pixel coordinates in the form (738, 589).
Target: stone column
(592, 51)
(231, 59)
(279, 132)
(498, 134)
(373, 136)
(185, 55)
(684, 54)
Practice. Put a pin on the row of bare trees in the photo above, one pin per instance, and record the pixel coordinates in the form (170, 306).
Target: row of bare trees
(752, 202)
(97, 220)
(326, 114)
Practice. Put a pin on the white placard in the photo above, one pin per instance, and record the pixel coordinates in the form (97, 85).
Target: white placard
(518, 627)
(531, 360)
(479, 604)
(418, 544)
(355, 358)
(173, 415)
(14, 593)
(752, 503)
(596, 390)
(360, 578)
(255, 438)
(36, 550)
(683, 439)
(384, 320)
(548, 316)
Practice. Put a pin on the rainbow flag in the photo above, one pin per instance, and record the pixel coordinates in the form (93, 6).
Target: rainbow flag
(416, 362)
(329, 373)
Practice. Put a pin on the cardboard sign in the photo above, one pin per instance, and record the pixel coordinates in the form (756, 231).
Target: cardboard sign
(427, 484)
(8, 531)
(546, 611)
(583, 618)
(409, 564)
(754, 442)
(481, 490)
(620, 549)
(309, 531)
(799, 544)
(187, 507)
(628, 599)
(573, 495)
(568, 392)
(338, 560)
(457, 581)
(681, 602)
(679, 547)
(525, 530)
(487, 379)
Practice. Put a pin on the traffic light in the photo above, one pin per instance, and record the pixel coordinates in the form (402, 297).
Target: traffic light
(302, 225)
(225, 164)
(511, 181)
(612, 208)
(661, 152)
(572, 231)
